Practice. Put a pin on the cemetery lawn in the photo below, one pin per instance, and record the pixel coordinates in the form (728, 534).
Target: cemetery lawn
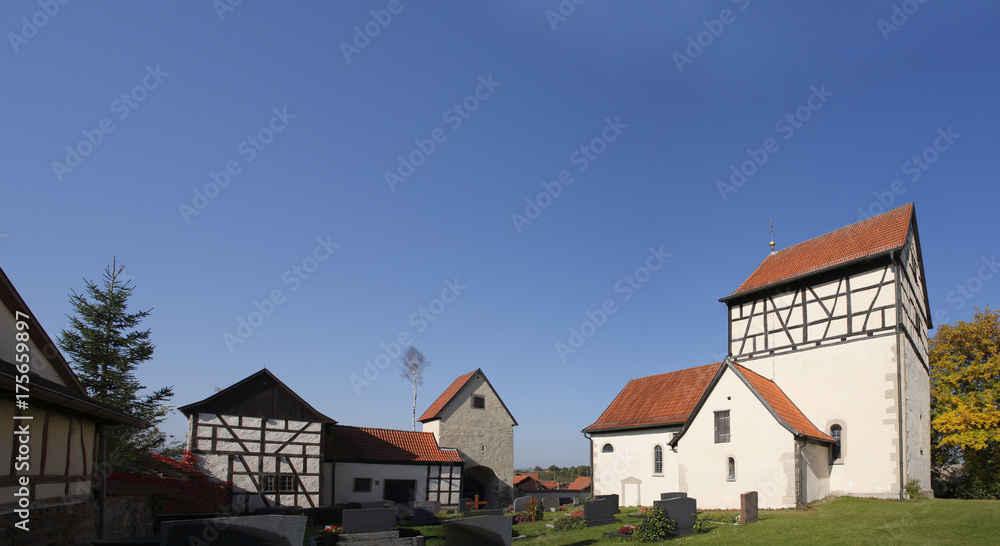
(843, 520)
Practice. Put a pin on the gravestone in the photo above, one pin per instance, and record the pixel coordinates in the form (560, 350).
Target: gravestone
(267, 530)
(463, 505)
(484, 530)
(325, 515)
(682, 510)
(378, 504)
(599, 512)
(519, 503)
(425, 510)
(674, 495)
(480, 513)
(748, 508)
(576, 500)
(613, 497)
(369, 520)
(550, 504)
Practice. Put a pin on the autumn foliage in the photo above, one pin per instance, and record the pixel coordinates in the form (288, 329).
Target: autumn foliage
(965, 401)
(176, 496)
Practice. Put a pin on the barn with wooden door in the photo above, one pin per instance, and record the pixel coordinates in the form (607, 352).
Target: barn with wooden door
(264, 439)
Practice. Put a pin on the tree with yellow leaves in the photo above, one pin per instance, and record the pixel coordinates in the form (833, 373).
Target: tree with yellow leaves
(965, 402)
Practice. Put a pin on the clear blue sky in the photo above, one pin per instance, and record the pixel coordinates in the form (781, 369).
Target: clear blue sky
(670, 120)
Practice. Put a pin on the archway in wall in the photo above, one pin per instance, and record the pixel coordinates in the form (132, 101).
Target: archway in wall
(480, 480)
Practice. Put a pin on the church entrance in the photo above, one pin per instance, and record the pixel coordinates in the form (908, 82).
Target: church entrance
(479, 480)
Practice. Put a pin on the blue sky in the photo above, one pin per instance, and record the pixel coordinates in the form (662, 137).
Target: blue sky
(372, 177)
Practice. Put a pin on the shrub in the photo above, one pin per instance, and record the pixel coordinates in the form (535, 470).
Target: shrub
(657, 526)
(700, 525)
(724, 517)
(913, 490)
(569, 522)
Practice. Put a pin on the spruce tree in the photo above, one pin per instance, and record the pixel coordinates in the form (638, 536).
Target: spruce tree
(105, 348)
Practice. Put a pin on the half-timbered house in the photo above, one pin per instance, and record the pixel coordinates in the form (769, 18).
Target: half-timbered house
(825, 389)
(50, 483)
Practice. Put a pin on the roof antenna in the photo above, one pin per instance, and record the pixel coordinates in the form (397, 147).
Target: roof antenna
(770, 229)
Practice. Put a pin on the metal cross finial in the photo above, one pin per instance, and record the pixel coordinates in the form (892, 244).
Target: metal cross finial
(770, 229)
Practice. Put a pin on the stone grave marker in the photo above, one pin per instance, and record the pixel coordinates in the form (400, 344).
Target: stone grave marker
(426, 510)
(519, 503)
(463, 504)
(266, 530)
(674, 495)
(613, 497)
(483, 530)
(378, 504)
(576, 500)
(748, 508)
(682, 510)
(550, 504)
(369, 520)
(481, 513)
(599, 512)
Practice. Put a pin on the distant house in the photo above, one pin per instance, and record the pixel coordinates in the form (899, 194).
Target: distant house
(470, 417)
(49, 455)
(277, 450)
(529, 483)
(581, 483)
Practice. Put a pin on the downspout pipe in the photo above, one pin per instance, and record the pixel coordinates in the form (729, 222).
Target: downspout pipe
(593, 479)
(102, 481)
(899, 378)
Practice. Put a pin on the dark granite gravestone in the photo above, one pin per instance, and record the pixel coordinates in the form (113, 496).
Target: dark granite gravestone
(463, 505)
(268, 530)
(481, 513)
(519, 503)
(674, 495)
(748, 508)
(599, 512)
(378, 504)
(369, 520)
(325, 515)
(425, 510)
(550, 504)
(682, 510)
(613, 497)
(484, 530)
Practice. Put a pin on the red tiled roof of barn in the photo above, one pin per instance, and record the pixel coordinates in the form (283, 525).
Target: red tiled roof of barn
(384, 445)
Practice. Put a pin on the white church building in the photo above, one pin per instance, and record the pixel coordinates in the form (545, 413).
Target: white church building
(825, 389)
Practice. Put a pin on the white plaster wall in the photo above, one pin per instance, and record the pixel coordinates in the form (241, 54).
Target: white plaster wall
(631, 462)
(345, 473)
(852, 384)
(8, 347)
(764, 452)
(816, 466)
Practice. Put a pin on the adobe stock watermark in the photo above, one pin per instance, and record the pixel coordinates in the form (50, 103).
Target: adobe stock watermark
(37, 21)
(625, 287)
(124, 105)
(454, 116)
(914, 167)
(698, 43)
(582, 158)
(420, 319)
(899, 16)
(225, 7)
(562, 13)
(786, 126)
(964, 292)
(249, 148)
(364, 34)
(293, 277)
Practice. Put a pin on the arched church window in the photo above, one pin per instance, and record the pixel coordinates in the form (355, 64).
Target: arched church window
(837, 433)
(608, 448)
(731, 470)
(657, 460)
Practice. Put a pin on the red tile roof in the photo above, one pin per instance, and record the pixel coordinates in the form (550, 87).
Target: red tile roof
(581, 483)
(782, 405)
(662, 399)
(434, 411)
(379, 445)
(866, 238)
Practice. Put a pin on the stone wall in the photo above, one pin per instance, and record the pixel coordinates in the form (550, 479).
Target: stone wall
(76, 523)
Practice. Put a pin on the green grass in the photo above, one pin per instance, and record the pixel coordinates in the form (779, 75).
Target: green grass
(842, 520)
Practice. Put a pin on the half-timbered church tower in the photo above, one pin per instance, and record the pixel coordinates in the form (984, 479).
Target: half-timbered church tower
(825, 389)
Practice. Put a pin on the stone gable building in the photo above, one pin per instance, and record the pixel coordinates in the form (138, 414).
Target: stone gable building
(825, 389)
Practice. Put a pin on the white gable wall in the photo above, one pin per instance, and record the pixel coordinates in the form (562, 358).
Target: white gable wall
(345, 473)
(628, 471)
(8, 347)
(764, 452)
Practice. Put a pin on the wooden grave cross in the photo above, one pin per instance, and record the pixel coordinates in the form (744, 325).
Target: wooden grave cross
(532, 505)
(475, 504)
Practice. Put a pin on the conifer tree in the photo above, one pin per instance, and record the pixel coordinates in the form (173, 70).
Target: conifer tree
(105, 348)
